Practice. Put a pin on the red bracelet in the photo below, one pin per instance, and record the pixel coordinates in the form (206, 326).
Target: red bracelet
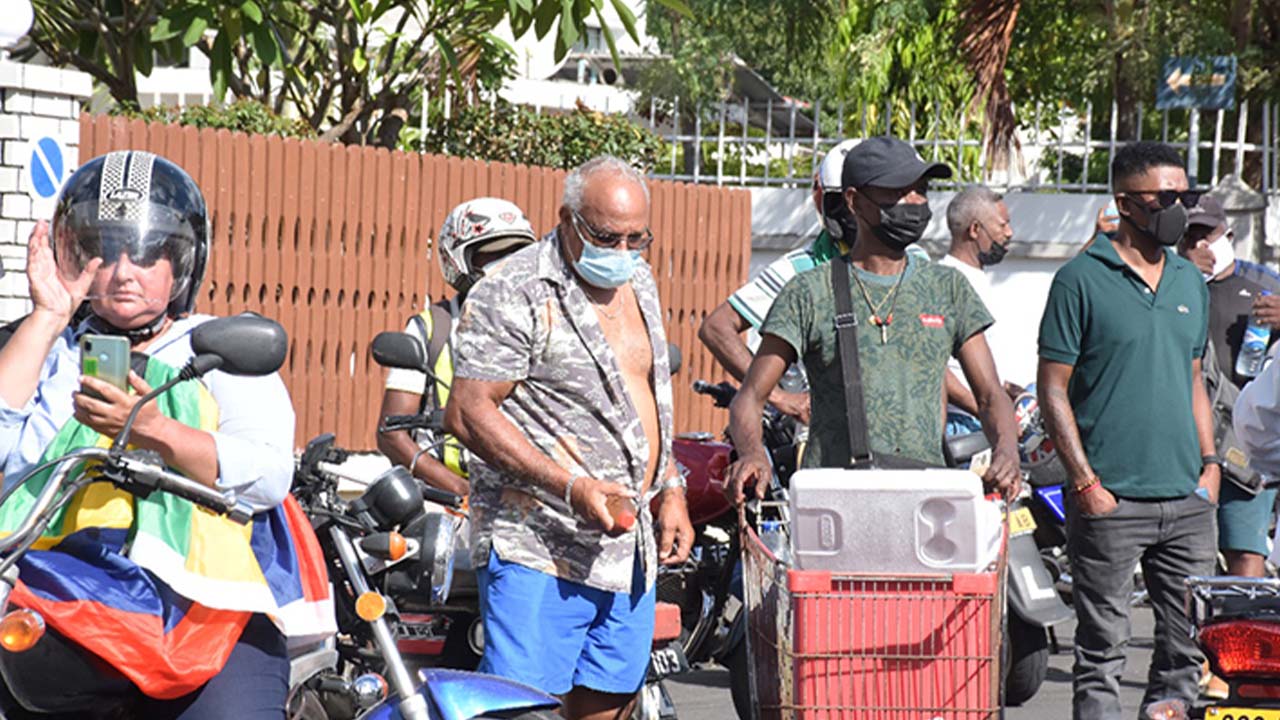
(1087, 487)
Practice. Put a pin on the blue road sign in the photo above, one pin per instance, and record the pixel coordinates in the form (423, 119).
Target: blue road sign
(46, 167)
(1208, 83)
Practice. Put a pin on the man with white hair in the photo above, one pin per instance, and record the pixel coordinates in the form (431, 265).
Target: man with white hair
(563, 393)
(980, 234)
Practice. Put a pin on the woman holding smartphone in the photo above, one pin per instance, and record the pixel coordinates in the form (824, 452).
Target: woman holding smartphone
(198, 629)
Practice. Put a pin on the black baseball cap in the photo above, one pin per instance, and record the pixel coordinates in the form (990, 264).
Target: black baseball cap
(1208, 212)
(889, 163)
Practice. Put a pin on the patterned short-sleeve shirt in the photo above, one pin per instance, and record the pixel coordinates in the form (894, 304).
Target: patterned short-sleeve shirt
(529, 322)
(935, 312)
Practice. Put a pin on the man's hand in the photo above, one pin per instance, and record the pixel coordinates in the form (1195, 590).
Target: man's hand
(1267, 309)
(590, 500)
(749, 470)
(108, 415)
(675, 531)
(1004, 475)
(1105, 223)
(1211, 480)
(1096, 500)
(795, 405)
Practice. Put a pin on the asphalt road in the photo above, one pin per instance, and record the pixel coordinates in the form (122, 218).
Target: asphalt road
(704, 693)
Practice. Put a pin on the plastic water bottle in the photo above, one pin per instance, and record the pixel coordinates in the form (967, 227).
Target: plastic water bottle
(774, 536)
(1253, 349)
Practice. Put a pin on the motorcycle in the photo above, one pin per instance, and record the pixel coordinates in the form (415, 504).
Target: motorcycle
(47, 672)
(707, 587)
(1236, 623)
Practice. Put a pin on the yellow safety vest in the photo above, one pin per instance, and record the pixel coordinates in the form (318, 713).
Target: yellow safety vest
(452, 453)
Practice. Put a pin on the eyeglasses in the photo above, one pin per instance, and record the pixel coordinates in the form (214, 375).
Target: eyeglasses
(634, 241)
(1165, 198)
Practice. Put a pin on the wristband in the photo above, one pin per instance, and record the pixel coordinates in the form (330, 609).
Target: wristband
(1211, 459)
(1082, 489)
(568, 492)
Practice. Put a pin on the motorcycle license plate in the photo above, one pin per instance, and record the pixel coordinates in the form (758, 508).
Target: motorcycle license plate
(1021, 521)
(1237, 713)
(668, 660)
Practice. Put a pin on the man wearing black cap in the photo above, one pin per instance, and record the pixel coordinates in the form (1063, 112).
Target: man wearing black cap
(911, 317)
(1236, 290)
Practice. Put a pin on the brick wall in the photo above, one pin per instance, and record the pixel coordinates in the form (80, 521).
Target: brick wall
(37, 102)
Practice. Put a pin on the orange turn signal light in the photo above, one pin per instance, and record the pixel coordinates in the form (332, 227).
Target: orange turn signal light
(397, 546)
(20, 630)
(370, 606)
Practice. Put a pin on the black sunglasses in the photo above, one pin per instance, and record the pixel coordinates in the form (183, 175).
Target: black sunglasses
(634, 241)
(1165, 198)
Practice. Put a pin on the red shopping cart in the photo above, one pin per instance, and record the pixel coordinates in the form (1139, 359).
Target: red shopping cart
(831, 646)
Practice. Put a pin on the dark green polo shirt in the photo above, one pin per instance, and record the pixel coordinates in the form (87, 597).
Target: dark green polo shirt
(936, 311)
(1132, 351)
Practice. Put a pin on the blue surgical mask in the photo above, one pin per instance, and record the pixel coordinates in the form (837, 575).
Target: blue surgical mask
(605, 268)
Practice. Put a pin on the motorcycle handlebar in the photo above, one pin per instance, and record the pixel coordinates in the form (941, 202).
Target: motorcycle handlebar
(723, 393)
(441, 497)
(222, 502)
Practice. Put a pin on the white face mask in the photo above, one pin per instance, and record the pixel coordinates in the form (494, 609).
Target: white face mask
(1224, 255)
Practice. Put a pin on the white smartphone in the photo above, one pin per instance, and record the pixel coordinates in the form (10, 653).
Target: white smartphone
(105, 357)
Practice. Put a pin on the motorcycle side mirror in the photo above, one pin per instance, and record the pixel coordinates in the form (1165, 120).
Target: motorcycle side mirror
(246, 344)
(399, 350)
(674, 357)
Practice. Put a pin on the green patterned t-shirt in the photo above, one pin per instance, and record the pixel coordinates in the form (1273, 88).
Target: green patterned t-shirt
(935, 313)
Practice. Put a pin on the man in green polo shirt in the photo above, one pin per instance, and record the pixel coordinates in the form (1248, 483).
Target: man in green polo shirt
(1119, 380)
(912, 316)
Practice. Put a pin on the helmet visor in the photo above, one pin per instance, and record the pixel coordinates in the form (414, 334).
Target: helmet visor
(142, 232)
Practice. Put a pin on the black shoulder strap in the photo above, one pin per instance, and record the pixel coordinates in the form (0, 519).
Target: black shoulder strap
(850, 367)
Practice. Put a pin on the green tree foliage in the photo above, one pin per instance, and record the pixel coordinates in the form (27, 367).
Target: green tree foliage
(505, 133)
(247, 116)
(354, 70)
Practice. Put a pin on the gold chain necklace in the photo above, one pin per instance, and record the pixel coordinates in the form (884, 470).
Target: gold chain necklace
(882, 322)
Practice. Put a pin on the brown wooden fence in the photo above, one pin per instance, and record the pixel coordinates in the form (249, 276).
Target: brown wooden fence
(335, 241)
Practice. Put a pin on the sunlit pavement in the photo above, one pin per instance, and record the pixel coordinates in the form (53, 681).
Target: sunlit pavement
(704, 694)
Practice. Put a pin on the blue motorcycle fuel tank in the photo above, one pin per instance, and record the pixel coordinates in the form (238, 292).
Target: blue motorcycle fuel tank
(459, 695)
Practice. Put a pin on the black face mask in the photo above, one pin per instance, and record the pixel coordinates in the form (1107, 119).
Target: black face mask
(1165, 225)
(992, 255)
(902, 224)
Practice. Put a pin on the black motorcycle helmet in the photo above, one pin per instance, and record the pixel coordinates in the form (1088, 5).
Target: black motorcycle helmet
(139, 204)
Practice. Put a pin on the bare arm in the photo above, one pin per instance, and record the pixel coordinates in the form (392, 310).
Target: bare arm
(722, 332)
(766, 369)
(1060, 419)
(1202, 409)
(400, 447)
(959, 395)
(995, 411)
(473, 415)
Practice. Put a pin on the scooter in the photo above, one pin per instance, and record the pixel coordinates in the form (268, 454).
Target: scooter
(1035, 605)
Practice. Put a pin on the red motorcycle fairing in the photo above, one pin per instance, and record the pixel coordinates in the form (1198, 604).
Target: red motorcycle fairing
(703, 463)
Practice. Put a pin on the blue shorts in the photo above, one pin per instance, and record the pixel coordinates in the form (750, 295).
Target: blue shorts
(1244, 520)
(556, 635)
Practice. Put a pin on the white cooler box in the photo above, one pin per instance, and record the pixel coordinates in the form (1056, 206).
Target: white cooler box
(892, 521)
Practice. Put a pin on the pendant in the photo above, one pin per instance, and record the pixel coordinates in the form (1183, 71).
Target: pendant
(883, 324)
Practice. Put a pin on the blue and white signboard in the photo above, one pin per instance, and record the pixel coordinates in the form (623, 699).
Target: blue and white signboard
(1208, 83)
(46, 169)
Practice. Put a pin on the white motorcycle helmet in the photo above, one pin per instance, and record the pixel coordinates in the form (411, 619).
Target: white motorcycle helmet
(484, 224)
(835, 214)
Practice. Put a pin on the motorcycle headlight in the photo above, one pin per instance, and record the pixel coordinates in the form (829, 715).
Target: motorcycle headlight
(392, 500)
(433, 568)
